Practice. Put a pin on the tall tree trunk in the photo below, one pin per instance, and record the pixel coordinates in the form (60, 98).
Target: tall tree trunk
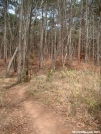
(79, 45)
(20, 43)
(80, 30)
(28, 45)
(5, 34)
(93, 41)
(87, 22)
(41, 42)
(54, 54)
(70, 38)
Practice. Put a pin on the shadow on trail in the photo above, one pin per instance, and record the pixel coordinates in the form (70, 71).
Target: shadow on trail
(12, 85)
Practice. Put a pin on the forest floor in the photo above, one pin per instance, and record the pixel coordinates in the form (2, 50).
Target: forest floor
(61, 102)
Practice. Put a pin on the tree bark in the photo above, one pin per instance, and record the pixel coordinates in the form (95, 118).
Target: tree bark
(80, 30)
(28, 45)
(5, 34)
(20, 44)
(11, 61)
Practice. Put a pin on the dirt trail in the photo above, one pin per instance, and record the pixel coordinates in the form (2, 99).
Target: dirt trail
(42, 120)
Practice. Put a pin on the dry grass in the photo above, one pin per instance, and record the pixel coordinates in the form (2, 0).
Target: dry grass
(73, 94)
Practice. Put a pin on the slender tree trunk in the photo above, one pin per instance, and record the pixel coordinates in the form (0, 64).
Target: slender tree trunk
(41, 42)
(79, 45)
(93, 40)
(70, 49)
(5, 34)
(54, 54)
(28, 45)
(20, 44)
(80, 30)
(86, 47)
(41, 48)
(11, 61)
(24, 46)
(70, 39)
(98, 45)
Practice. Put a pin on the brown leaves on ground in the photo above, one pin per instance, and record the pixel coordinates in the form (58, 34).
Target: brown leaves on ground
(71, 94)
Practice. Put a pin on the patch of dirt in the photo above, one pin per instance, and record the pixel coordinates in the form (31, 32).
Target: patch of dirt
(44, 120)
(21, 115)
